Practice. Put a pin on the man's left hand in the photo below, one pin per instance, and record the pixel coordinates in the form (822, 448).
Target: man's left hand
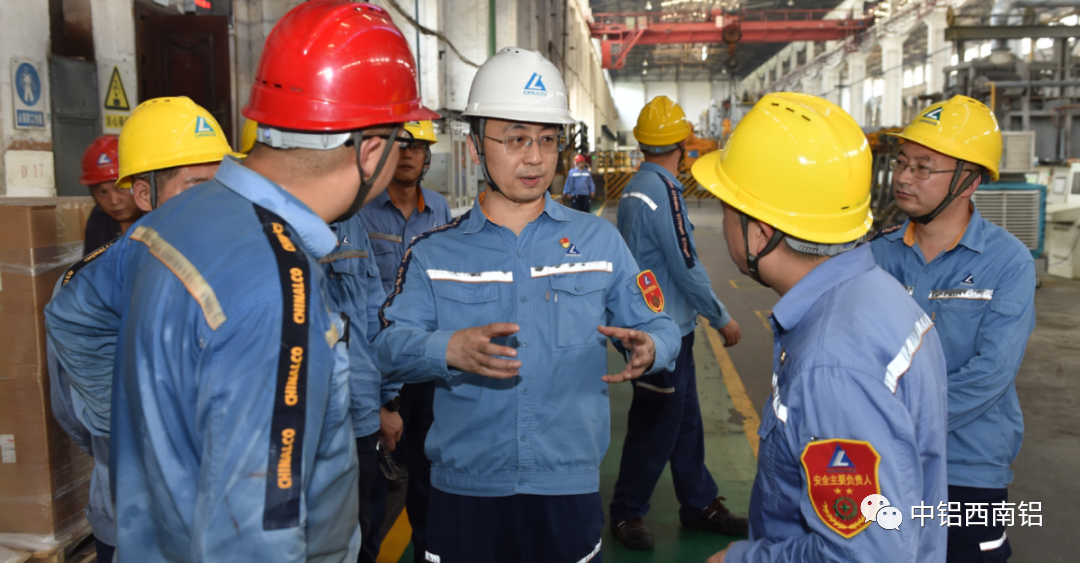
(390, 427)
(642, 352)
(718, 557)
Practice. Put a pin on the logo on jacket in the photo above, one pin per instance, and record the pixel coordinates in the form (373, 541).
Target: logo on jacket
(535, 86)
(969, 280)
(103, 159)
(650, 290)
(345, 239)
(837, 473)
(203, 128)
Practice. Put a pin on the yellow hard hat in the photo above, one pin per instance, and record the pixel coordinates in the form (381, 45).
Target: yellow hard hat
(661, 123)
(248, 135)
(798, 163)
(422, 131)
(963, 128)
(168, 132)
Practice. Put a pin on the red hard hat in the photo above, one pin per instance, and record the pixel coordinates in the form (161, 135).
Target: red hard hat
(579, 158)
(100, 162)
(335, 65)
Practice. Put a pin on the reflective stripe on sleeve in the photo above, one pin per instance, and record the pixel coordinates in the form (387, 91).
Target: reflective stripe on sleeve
(186, 272)
(648, 200)
(779, 408)
(644, 385)
(571, 268)
(994, 544)
(902, 362)
(471, 277)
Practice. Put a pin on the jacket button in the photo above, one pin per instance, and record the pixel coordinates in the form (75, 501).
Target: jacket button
(521, 482)
(524, 299)
(577, 287)
(524, 344)
(523, 438)
(524, 391)
(521, 254)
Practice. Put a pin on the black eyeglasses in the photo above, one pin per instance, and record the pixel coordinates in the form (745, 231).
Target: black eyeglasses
(518, 144)
(920, 171)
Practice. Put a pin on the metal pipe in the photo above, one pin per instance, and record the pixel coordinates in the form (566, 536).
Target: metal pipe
(1035, 83)
(999, 14)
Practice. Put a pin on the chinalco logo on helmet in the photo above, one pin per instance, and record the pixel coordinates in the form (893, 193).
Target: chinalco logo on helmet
(103, 159)
(535, 86)
(933, 116)
(203, 128)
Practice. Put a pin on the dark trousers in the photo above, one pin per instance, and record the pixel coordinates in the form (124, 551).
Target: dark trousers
(367, 455)
(104, 551)
(581, 203)
(417, 416)
(664, 425)
(518, 528)
(977, 544)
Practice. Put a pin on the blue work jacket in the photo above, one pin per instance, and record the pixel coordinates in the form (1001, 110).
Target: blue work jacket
(231, 436)
(653, 220)
(579, 182)
(354, 287)
(981, 295)
(391, 233)
(858, 408)
(545, 431)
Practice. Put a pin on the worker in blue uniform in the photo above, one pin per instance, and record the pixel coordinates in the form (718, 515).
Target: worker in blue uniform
(579, 185)
(396, 217)
(189, 475)
(664, 424)
(159, 160)
(508, 307)
(977, 281)
(859, 400)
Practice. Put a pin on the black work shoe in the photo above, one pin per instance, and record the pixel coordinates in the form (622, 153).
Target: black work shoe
(633, 534)
(718, 519)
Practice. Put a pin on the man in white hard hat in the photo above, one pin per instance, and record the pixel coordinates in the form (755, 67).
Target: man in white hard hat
(507, 309)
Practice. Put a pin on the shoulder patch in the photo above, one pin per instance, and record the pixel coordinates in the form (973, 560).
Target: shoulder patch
(74, 269)
(839, 475)
(650, 290)
(403, 268)
(886, 230)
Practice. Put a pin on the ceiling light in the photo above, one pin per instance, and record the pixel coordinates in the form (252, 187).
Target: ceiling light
(648, 5)
(704, 52)
(645, 63)
(644, 71)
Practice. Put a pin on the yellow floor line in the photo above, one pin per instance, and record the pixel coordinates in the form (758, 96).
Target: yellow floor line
(602, 206)
(396, 540)
(736, 389)
(764, 316)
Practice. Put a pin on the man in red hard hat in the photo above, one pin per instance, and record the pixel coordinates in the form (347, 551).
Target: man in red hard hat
(232, 433)
(579, 185)
(116, 209)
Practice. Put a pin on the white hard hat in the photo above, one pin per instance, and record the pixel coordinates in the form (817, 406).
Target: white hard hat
(519, 85)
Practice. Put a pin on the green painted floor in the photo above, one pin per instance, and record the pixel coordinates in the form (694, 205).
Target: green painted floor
(728, 456)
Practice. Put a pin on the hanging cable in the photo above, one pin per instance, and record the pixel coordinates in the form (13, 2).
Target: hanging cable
(401, 12)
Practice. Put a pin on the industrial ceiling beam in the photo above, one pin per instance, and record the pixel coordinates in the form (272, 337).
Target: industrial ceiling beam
(984, 32)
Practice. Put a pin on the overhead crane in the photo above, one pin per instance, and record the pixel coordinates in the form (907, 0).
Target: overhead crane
(620, 32)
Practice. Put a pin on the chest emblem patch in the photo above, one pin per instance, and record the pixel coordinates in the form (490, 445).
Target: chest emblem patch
(650, 290)
(969, 280)
(565, 242)
(839, 474)
(573, 251)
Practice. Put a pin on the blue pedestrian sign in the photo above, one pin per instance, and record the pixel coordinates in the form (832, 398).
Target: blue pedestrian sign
(28, 95)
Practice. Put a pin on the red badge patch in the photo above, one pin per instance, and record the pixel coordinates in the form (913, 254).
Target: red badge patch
(839, 474)
(651, 291)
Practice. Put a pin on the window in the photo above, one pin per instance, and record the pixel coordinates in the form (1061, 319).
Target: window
(984, 51)
(971, 54)
(907, 78)
(1025, 46)
(918, 75)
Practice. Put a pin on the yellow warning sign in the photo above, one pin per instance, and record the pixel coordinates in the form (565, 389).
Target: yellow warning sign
(116, 98)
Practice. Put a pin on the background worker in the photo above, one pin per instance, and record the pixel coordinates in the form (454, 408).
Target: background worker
(394, 219)
(579, 185)
(83, 318)
(977, 281)
(232, 401)
(664, 424)
(859, 399)
(507, 307)
(115, 210)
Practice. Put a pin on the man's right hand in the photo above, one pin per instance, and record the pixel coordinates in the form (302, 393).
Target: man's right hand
(470, 349)
(732, 333)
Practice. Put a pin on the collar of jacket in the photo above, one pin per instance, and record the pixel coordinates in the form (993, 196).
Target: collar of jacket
(314, 233)
(477, 219)
(793, 306)
(973, 238)
(652, 167)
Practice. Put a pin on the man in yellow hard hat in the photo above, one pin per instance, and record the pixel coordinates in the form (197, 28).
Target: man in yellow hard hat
(664, 424)
(978, 283)
(853, 437)
(166, 146)
(393, 219)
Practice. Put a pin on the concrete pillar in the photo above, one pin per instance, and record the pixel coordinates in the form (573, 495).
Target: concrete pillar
(830, 77)
(794, 53)
(938, 50)
(857, 81)
(892, 58)
(809, 51)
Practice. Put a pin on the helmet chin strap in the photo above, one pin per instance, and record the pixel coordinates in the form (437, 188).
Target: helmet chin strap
(752, 260)
(367, 184)
(478, 140)
(952, 194)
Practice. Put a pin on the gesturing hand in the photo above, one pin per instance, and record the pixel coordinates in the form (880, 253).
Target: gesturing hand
(470, 349)
(642, 352)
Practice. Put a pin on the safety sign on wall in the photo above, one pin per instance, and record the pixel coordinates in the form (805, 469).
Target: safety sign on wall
(116, 80)
(28, 93)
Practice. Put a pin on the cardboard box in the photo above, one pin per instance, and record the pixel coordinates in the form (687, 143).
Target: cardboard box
(44, 476)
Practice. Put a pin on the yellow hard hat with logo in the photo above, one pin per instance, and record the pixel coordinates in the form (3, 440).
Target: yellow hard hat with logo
(168, 132)
(661, 123)
(248, 135)
(796, 162)
(422, 131)
(961, 127)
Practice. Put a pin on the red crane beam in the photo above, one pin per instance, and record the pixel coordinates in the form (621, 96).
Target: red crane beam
(620, 32)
